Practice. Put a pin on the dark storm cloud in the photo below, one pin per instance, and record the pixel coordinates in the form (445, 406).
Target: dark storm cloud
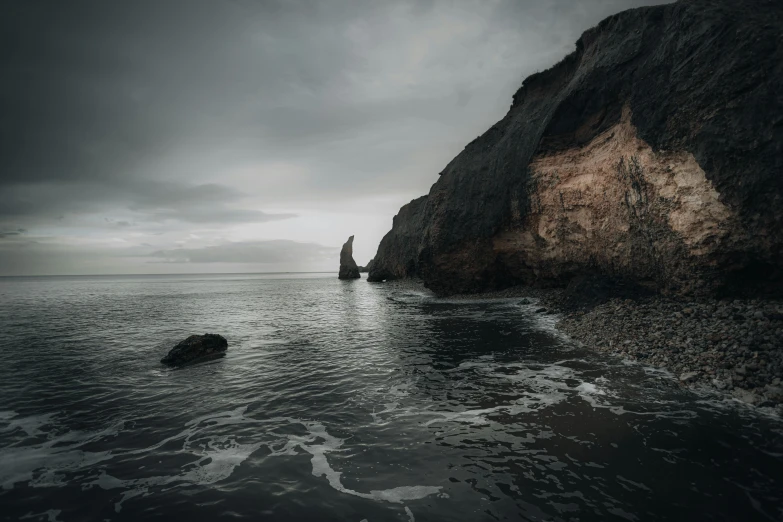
(155, 200)
(93, 89)
(208, 112)
(265, 252)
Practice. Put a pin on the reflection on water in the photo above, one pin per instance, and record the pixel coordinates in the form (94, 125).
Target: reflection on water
(349, 401)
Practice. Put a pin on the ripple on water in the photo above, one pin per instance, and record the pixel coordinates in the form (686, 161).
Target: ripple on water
(351, 401)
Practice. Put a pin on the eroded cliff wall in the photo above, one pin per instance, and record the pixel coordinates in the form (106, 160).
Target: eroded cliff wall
(652, 153)
(398, 253)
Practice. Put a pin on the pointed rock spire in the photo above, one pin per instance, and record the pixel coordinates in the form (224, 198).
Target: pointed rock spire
(348, 267)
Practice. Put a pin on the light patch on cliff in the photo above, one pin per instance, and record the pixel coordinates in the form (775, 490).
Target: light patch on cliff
(585, 200)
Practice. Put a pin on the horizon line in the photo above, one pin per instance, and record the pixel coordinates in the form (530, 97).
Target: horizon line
(171, 274)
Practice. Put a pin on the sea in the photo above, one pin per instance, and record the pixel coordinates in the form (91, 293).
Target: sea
(350, 401)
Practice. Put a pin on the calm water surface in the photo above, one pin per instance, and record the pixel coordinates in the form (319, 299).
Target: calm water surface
(348, 401)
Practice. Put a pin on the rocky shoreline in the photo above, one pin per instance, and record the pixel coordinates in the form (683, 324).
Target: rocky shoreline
(734, 346)
(729, 345)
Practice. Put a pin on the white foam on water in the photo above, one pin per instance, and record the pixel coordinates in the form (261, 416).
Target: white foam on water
(220, 455)
(322, 468)
(129, 494)
(664, 414)
(480, 363)
(30, 425)
(475, 417)
(543, 321)
(547, 386)
(637, 485)
(562, 362)
(535, 402)
(400, 390)
(7, 414)
(590, 389)
(541, 386)
(51, 515)
(657, 372)
(217, 463)
(45, 464)
(388, 408)
(57, 455)
(718, 401)
(399, 494)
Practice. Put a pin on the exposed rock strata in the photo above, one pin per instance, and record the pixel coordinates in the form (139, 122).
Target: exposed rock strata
(348, 267)
(652, 154)
(196, 348)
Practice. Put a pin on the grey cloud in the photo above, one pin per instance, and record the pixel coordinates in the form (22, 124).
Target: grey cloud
(42, 256)
(207, 203)
(12, 233)
(264, 252)
(150, 111)
(224, 215)
(119, 223)
(151, 200)
(47, 256)
(104, 86)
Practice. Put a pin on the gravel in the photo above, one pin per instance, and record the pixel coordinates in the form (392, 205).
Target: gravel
(731, 345)
(734, 346)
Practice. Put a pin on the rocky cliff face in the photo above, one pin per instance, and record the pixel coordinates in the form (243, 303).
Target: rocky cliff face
(348, 267)
(653, 154)
(398, 253)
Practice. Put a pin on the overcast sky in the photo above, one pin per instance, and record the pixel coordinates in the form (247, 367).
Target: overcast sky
(164, 136)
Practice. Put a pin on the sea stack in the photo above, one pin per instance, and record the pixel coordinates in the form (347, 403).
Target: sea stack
(348, 267)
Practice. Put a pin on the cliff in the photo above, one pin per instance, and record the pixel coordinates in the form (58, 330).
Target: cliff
(398, 253)
(653, 154)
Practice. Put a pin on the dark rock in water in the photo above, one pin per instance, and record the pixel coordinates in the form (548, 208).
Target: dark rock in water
(650, 154)
(348, 267)
(196, 348)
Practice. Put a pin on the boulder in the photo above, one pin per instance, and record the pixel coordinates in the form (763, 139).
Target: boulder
(348, 267)
(196, 348)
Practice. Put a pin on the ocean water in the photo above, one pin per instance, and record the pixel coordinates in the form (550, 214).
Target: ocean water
(349, 401)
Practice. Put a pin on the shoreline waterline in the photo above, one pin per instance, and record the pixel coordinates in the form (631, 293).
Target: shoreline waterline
(717, 356)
